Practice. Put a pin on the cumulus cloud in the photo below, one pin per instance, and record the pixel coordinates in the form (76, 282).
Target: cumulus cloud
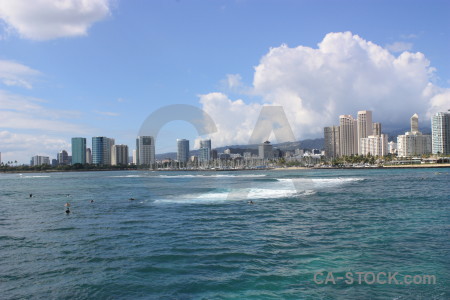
(234, 120)
(16, 74)
(20, 146)
(50, 19)
(344, 74)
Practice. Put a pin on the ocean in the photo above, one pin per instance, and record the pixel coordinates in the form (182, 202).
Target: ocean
(195, 235)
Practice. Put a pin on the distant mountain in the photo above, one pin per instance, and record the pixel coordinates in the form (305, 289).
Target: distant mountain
(305, 144)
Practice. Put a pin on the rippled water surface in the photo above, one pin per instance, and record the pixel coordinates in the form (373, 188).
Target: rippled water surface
(193, 235)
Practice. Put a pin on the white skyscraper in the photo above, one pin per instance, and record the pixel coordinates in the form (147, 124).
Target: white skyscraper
(146, 150)
(440, 126)
(374, 145)
(364, 126)
(204, 151)
(415, 123)
(88, 156)
(182, 150)
(119, 155)
(413, 142)
(348, 144)
(376, 128)
(392, 147)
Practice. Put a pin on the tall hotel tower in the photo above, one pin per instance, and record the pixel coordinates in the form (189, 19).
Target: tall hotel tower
(101, 150)
(440, 126)
(78, 150)
(145, 150)
(183, 150)
(205, 150)
(331, 140)
(348, 144)
(364, 126)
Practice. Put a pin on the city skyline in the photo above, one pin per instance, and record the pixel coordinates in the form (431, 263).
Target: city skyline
(113, 63)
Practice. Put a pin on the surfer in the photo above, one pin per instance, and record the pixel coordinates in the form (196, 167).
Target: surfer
(31, 195)
(250, 202)
(67, 205)
(92, 201)
(131, 199)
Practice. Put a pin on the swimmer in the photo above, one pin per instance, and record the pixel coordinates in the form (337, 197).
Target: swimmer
(31, 195)
(92, 201)
(131, 199)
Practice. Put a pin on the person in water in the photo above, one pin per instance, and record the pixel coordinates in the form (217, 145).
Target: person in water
(92, 201)
(31, 195)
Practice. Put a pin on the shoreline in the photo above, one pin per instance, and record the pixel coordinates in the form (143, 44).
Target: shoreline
(411, 166)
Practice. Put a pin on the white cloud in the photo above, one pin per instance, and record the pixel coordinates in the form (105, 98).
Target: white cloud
(21, 147)
(50, 19)
(16, 74)
(234, 120)
(107, 113)
(399, 46)
(344, 74)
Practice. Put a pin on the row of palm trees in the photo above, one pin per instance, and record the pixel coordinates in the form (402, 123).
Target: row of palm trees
(8, 163)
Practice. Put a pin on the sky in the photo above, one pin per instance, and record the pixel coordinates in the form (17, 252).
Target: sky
(87, 68)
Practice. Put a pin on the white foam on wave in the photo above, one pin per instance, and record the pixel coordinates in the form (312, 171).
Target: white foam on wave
(127, 176)
(213, 176)
(235, 195)
(35, 176)
(319, 182)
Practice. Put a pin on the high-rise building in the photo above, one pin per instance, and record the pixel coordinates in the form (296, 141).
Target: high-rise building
(413, 142)
(265, 150)
(146, 149)
(364, 126)
(38, 160)
(376, 128)
(440, 128)
(183, 150)
(415, 123)
(392, 147)
(204, 151)
(374, 145)
(331, 141)
(78, 150)
(119, 155)
(101, 150)
(88, 156)
(63, 157)
(348, 144)
(134, 157)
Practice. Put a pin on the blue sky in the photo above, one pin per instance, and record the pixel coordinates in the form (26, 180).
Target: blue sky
(68, 68)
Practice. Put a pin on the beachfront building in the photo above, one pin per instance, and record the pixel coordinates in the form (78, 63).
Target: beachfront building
(78, 150)
(119, 155)
(348, 144)
(364, 126)
(331, 141)
(88, 156)
(440, 127)
(38, 160)
(374, 145)
(392, 147)
(265, 150)
(63, 157)
(204, 154)
(413, 143)
(145, 151)
(101, 150)
(182, 150)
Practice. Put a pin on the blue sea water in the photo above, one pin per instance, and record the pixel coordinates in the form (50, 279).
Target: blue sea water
(193, 235)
